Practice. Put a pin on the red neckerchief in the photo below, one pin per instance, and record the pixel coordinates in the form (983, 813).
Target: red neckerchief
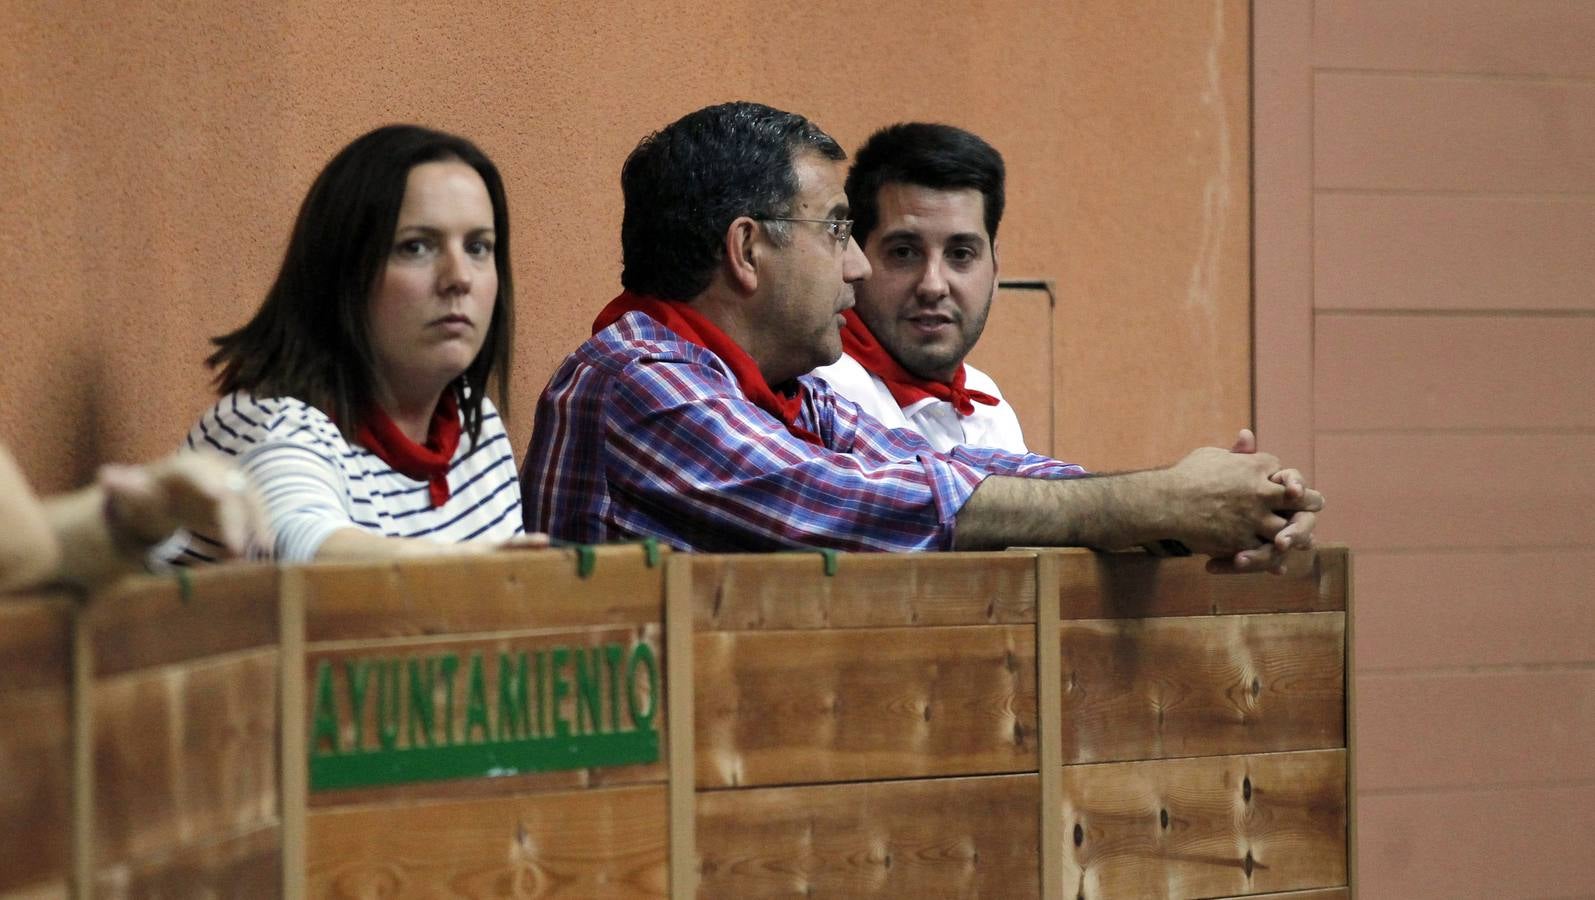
(694, 328)
(429, 463)
(906, 387)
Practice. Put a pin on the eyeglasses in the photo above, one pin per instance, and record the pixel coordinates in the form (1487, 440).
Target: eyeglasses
(841, 229)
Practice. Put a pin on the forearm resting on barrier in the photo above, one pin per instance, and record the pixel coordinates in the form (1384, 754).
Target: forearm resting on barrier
(1216, 502)
(1106, 512)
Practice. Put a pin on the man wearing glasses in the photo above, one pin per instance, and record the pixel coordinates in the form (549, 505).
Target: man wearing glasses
(926, 200)
(687, 415)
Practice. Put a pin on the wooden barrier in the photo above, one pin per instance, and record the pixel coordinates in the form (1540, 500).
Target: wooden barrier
(899, 729)
(36, 763)
(1203, 727)
(869, 733)
(139, 751)
(485, 730)
(183, 714)
(603, 722)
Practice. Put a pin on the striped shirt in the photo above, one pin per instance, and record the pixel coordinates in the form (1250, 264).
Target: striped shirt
(643, 434)
(313, 482)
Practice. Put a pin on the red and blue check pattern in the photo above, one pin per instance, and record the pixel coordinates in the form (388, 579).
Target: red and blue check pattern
(642, 434)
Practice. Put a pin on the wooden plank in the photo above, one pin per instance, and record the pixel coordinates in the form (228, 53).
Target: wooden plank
(35, 641)
(681, 749)
(1426, 491)
(36, 762)
(294, 783)
(235, 865)
(184, 753)
(1527, 607)
(1404, 132)
(35, 790)
(1501, 842)
(1417, 372)
(810, 706)
(600, 843)
(784, 591)
(144, 622)
(1049, 690)
(84, 788)
(1475, 729)
(1157, 688)
(1353, 741)
(503, 592)
(1451, 252)
(1136, 585)
(1206, 827)
(1539, 37)
(946, 837)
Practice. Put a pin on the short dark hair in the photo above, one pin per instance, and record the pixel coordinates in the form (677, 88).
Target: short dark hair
(925, 154)
(685, 183)
(309, 339)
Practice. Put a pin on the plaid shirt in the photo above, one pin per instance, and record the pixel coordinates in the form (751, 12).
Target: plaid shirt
(643, 434)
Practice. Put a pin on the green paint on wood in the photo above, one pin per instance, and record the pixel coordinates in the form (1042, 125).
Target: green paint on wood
(476, 728)
(555, 709)
(324, 724)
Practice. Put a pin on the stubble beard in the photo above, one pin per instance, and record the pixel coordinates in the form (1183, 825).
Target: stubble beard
(928, 361)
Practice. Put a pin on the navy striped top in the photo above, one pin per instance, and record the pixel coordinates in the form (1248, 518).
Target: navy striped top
(313, 482)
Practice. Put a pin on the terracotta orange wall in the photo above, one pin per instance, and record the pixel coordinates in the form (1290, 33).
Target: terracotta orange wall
(154, 157)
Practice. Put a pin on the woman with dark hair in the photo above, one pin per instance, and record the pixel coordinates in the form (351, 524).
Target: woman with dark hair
(356, 398)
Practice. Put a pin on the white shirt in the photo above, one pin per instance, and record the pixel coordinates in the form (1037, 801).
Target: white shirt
(935, 420)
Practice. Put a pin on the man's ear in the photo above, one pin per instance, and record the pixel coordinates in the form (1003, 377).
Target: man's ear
(742, 248)
(996, 262)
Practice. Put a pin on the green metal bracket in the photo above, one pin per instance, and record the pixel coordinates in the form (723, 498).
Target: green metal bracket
(829, 556)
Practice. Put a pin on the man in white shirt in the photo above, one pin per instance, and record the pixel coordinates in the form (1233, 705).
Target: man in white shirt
(926, 201)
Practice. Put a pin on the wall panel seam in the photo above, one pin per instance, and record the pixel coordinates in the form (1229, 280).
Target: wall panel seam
(1458, 550)
(1569, 666)
(1570, 431)
(1454, 313)
(1476, 548)
(1444, 75)
(1486, 788)
(1569, 196)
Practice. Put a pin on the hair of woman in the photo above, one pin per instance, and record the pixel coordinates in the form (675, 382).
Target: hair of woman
(310, 338)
